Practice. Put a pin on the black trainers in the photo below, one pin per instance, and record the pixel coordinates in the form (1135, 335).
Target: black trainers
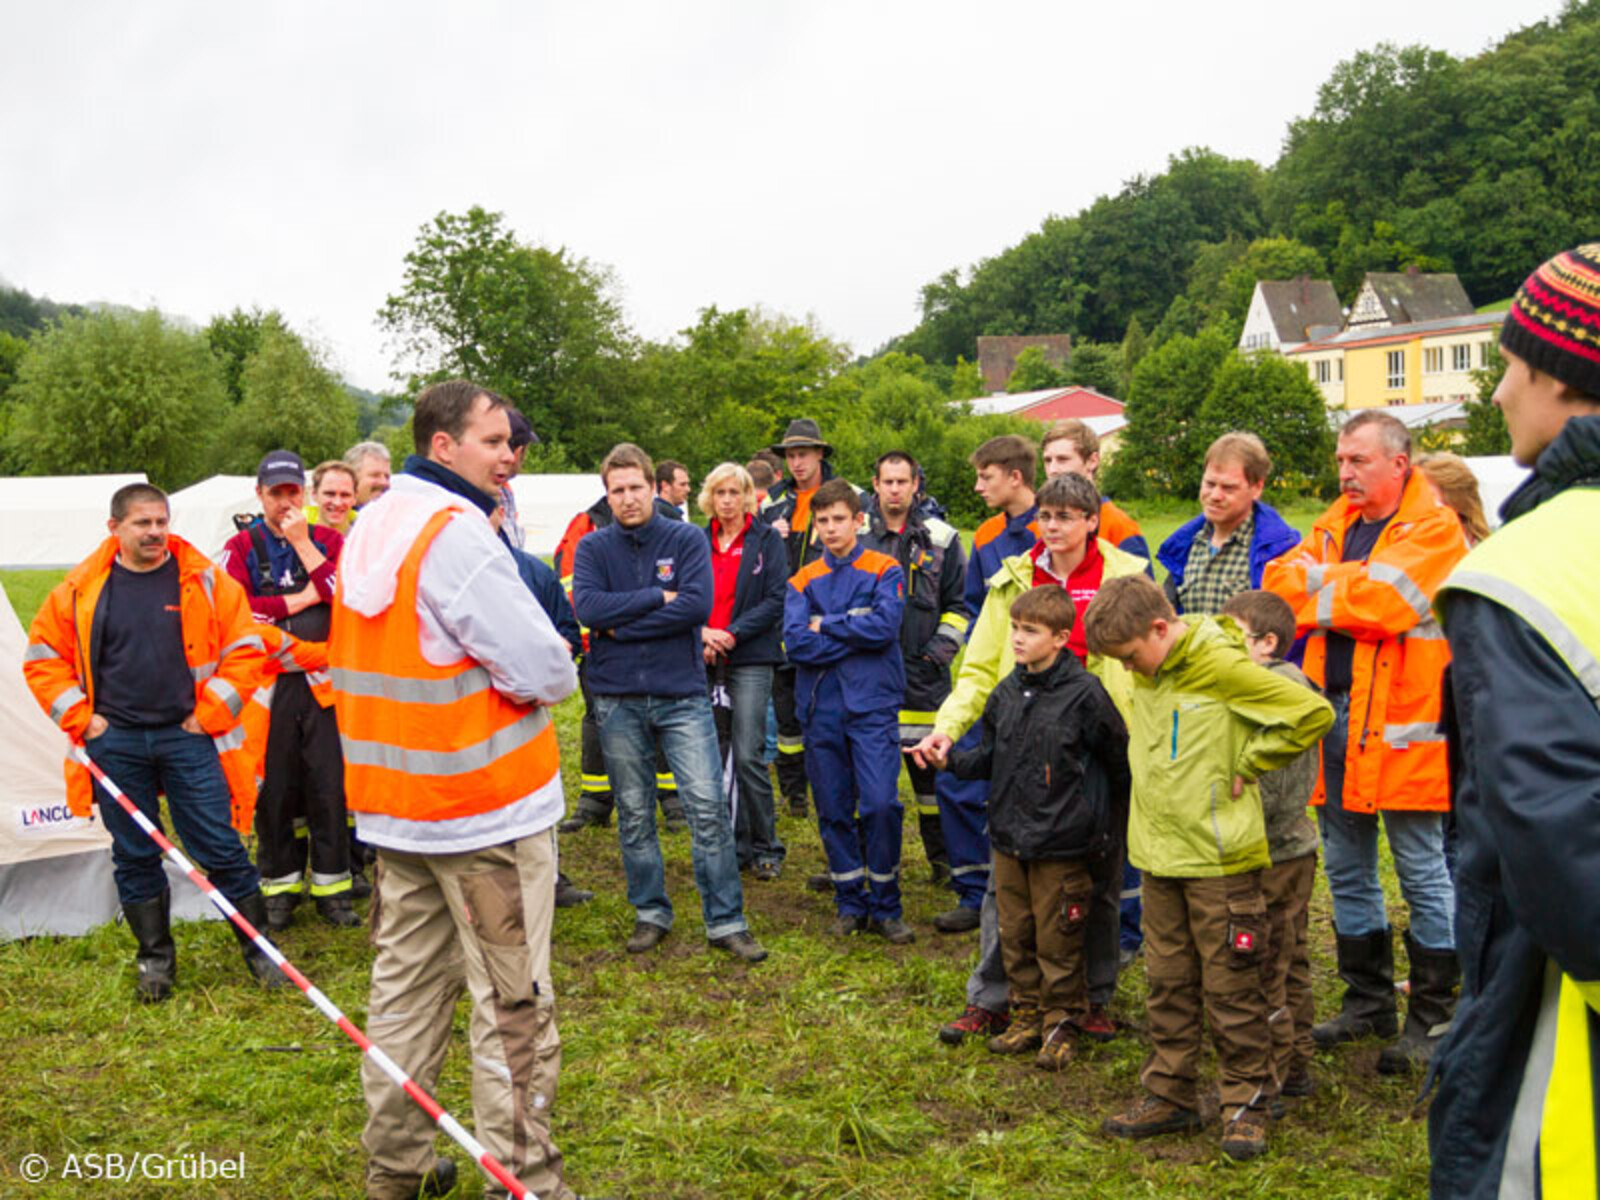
(957, 920)
(893, 930)
(440, 1181)
(646, 936)
(820, 882)
(797, 806)
(338, 911)
(569, 894)
(767, 871)
(280, 910)
(581, 820)
(741, 945)
(360, 888)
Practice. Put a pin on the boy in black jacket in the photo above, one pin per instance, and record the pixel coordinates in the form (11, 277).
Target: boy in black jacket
(1055, 751)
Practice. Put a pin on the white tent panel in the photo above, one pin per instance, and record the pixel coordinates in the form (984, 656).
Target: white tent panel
(1498, 476)
(55, 520)
(202, 513)
(546, 504)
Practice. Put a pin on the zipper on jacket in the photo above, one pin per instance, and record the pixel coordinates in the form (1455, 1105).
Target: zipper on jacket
(1372, 690)
(1174, 733)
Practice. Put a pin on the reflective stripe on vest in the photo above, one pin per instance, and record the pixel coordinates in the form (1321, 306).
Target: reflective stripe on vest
(423, 742)
(1529, 568)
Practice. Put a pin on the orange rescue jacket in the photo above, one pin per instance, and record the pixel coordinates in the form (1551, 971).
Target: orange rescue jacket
(1395, 756)
(422, 742)
(221, 642)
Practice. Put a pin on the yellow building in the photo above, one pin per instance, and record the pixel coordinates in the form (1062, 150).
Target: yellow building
(1428, 362)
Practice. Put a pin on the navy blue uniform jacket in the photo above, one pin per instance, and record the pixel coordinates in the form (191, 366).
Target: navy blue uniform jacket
(860, 599)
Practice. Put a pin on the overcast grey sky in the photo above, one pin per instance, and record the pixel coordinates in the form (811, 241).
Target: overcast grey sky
(816, 158)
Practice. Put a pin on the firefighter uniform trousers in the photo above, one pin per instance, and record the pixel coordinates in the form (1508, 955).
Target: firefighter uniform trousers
(854, 765)
(478, 921)
(302, 781)
(1205, 948)
(964, 821)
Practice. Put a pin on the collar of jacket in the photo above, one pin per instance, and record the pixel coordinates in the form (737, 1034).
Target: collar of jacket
(878, 527)
(190, 561)
(644, 529)
(1051, 677)
(444, 477)
(1572, 460)
(1203, 632)
(835, 563)
(1416, 503)
(1023, 520)
(786, 489)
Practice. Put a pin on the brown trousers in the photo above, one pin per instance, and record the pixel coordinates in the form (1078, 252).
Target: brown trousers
(1287, 888)
(1044, 912)
(478, 921)
(1205, 941)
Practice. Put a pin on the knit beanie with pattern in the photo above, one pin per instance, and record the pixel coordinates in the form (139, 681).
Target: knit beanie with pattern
(1554, 322)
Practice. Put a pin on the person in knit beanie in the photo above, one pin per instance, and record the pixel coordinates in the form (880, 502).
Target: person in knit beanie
(1519, 1072)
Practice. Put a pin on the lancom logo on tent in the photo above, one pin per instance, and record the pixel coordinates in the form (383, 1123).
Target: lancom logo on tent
(52, 816)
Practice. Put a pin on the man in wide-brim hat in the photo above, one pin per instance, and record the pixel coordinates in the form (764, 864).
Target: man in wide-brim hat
(803, 434)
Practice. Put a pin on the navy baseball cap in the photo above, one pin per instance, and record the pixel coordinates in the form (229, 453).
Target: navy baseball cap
(281, 466)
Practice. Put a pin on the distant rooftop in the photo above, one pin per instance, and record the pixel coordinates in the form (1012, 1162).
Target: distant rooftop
(1377, 335)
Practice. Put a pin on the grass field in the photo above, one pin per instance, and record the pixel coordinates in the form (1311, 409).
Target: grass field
(815, 1074)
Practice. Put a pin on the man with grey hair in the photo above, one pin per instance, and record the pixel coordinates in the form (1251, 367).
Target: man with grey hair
(370, 462)
(1361, 585)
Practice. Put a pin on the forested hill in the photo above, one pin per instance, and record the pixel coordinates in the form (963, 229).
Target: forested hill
(1482, 166)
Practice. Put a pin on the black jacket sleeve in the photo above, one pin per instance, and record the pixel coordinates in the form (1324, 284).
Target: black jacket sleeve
(1530, 772)
(978, 762)
(766, 582)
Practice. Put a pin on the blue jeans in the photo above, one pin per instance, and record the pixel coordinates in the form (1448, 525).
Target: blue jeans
(755, 826)
(1350, 855)
(144, 763)
(630, 726)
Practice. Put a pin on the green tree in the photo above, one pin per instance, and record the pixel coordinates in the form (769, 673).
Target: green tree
(1486, 431)
(542, 327)
(235, 338)
(1097, 365)
(1135, 343)
(117, 392)
(966, 381)
(289, 401)
(1034, 372)
(1157, 454)
(1273, 398)
(12, 352)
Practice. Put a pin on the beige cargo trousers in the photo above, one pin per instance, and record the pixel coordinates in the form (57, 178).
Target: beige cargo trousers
(479, 920)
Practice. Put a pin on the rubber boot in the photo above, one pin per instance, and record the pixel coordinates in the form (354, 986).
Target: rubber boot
(150, 921)
(1366, 964)
(254, 909)
(1429, 1011)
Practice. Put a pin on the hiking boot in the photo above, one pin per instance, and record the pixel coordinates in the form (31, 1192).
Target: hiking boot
(797, 806)
(582, 820)
(338, 911)
(253, 908)
(1366, 964)
(569, 894)
(646, 936)
(1149, 1117)
(1059, 1048)
(1097, 1025)
(741, 945)
(1023, 1036)
(767, 871)
(957, 920)
(440, 1181)
(360, 886)
(843, 926)
(1429, 1009)
(279, 911)
(150, 922)
(975, 1022)
(1245, 1136)
(893, 930)
(820, 882)
(1298, 1083)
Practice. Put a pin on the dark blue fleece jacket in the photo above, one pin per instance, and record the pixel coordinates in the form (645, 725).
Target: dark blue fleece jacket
(638, 644)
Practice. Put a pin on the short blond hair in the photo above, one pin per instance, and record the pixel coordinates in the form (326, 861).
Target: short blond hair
(719, 475)
(1123, 610)
(1247, 450)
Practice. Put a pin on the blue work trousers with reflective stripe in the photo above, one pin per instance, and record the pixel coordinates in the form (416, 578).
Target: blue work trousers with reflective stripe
(964, 820)
(853, 761)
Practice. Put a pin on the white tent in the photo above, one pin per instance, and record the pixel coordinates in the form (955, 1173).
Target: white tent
(55, 868)
(202, 513)
(547, 503)
(55, 520)
(1498, 476)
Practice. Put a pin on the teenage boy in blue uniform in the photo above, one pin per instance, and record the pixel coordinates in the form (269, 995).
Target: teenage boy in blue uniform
(841, 628)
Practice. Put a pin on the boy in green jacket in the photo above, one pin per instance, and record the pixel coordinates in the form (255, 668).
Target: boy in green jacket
(1206, 723)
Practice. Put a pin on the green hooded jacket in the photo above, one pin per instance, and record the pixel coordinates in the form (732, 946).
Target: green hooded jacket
(1210, 714)
(989, 659)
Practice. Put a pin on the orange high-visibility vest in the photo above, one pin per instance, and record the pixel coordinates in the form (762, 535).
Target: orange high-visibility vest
(421, 742)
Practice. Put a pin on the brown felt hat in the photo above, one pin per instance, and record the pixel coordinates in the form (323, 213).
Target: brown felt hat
(802, 432)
